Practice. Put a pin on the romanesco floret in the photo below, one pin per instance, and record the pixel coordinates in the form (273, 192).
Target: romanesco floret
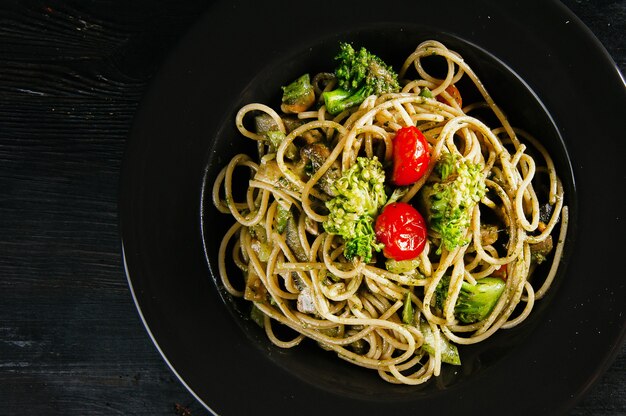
(360, 193)
(451, 199)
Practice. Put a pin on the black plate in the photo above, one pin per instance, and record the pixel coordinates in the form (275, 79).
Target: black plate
(544, 68)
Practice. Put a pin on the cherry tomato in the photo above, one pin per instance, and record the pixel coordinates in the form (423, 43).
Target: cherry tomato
(454, 93)
(402, 229)
(410, 156)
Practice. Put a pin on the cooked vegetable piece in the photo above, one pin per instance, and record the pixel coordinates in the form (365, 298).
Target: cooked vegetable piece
(359, 75)
(540, 251)
(312, 136)
(402, 231)
(454, 93)
(545, 213)
(402, 266)
(360, 346)
(292, 238)
(501, 272)
(262, 249)
(449, 201)
(316, 154)
(264, 122)
(449, 351)
(275, 138)
(408, 314)
(426, 93)
(298, 96)
(360, 193)
(257, 316)
(282, 216)
(475, 302)
(410, 156)
(254, 291)
(305, 302)
(488, 234)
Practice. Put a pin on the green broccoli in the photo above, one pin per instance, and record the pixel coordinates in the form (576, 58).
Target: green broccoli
(298, 96)
(359, 75)
(360, 193)
(475, 302)
(449, 201)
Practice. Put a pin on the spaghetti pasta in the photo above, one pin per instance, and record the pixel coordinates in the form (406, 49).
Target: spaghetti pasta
(296, 273)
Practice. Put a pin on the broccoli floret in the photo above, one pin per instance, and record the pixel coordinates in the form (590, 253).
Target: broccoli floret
(451, 198)
(475, 302)
(359, 75)
(298, 96)
(360, 193)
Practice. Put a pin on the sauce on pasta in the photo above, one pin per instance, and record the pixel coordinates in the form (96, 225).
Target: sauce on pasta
(295, 273)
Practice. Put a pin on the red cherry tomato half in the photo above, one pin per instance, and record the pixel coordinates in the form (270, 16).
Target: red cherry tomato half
(410, 156)
(402, 229)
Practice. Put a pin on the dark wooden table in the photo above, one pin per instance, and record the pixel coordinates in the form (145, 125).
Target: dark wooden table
(72, 74)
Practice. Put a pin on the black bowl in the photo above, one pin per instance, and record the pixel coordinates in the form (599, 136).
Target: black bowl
(184, 134)
(395, 42)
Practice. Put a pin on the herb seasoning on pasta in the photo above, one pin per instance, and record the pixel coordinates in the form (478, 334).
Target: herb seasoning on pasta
(386, 219)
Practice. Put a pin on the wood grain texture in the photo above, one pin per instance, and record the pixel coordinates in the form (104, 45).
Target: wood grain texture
(71, 77)
(72, 74)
